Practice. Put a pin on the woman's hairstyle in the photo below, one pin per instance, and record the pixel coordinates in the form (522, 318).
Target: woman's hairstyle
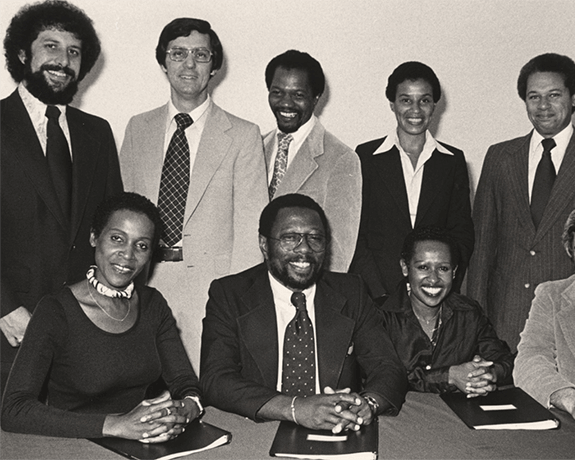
(129, 202)
(412, 71)
(52, 14)
(429, 234)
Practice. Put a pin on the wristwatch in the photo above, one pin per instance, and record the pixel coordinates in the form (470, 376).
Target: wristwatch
(372, 403)
(196, 399)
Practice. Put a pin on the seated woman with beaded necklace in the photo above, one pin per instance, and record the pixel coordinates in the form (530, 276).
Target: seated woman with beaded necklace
(99, 344)
(444, 339)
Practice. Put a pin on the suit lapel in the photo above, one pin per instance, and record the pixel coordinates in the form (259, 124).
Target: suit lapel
(304, 163)
(562, 193)
(29, 152)
(213, 147)
(259, 326)
(85, 160)
(435, 170)
(388, 166)
(566, 316)
(334, 334)
(519, 184)
(153, 138)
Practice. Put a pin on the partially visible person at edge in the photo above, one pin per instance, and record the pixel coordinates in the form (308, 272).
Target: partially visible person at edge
(443, 338)
(545, 364)
(289, 340)
(410, 180)
(58, 163)
(102, 342)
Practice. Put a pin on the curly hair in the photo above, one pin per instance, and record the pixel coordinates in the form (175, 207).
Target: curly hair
(412, 71)
(429, 233)
(298, 60)
(51, 14)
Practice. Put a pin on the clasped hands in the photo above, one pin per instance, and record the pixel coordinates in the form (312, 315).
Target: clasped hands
(153, 420)
(335, 410)
(476, 377)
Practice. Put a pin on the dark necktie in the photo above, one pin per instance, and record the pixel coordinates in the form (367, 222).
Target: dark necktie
(175, 182)
(543, 183)
(58, 158)
(280, 164)
(298, 373)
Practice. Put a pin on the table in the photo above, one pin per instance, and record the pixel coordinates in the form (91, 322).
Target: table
(425, 428)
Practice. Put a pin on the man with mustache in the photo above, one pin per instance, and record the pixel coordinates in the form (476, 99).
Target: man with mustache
(288, 340)
(525, 193)
(302, 157)
(205, 169)
(58, 162)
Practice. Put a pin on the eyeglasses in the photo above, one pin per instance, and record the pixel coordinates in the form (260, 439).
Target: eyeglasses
(290, 241)
(181, 54)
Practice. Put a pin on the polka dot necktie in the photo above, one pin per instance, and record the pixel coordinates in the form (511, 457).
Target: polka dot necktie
(175, 182)
(280, 164)
(543, 183)
(298, 374)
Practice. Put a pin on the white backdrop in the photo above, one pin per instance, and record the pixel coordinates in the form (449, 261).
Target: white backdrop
(476, 47)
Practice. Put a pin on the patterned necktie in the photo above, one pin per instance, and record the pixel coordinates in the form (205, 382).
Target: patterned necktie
(298, 373)
(543, 183)
(280, 165)
(58, 158)
(175, 182)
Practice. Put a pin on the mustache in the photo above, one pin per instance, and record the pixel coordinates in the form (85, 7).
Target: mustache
(58, 68)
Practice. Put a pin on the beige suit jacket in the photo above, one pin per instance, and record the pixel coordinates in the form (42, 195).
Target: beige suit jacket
(328, 171)
(227, 193)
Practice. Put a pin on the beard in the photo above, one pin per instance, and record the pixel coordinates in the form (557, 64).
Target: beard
(282, 274)
(38, 86)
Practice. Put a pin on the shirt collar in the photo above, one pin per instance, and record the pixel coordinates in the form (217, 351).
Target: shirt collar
(283, 294)
(301, 134)
(36, 108)
(196, 114)
(393, 140)
(561, 139)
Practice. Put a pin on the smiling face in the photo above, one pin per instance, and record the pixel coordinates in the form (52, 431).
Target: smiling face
(430, 274)
(299, 268)
(291, 99)
(189, 79)
(53, 66)
(413, 107)
(548, 103)
(123, 248)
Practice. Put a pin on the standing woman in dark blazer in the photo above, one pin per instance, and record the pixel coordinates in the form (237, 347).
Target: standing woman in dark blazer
(409, 180)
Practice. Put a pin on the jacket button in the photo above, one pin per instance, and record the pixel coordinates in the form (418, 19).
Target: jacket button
(532, 252)
(527, 285)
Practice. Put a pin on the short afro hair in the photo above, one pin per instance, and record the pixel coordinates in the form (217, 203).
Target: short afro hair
(429, 234)
(293, 59)
(412, 71)
(51, 14)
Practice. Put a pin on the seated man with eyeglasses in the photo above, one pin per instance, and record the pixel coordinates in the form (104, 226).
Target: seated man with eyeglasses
(288, 340)
(204, 168)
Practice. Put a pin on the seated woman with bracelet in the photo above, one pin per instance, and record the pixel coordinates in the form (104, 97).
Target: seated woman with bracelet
(444, 339)
(97, 346)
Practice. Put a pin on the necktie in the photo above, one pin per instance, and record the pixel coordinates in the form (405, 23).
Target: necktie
(175, 182)
(58, 158)
(298, 373)
(543, 183)
(280, 165)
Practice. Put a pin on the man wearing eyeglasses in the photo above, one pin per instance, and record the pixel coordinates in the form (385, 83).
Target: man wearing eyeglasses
(288, 340)
(204, 168)
(302, 157)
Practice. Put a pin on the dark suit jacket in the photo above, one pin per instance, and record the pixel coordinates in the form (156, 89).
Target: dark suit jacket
(511, 256)
(240, 350)
(41, 250)
(385, 220)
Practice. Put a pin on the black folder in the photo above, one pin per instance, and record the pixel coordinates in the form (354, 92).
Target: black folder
(510, 409)
(199, 436)
(296, 441)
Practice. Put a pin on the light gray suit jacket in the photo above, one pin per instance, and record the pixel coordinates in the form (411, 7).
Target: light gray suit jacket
(328, 171)
(227, 193)
(546, 359)
(511, 256)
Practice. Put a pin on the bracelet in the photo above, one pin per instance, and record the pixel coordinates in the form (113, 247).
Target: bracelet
(293, 410)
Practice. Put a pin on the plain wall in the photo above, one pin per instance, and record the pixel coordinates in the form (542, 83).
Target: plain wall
(476, 47)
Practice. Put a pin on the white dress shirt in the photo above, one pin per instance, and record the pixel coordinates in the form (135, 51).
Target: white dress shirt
(536, 150)
(285, 312)
(413, 176)
(299, 138)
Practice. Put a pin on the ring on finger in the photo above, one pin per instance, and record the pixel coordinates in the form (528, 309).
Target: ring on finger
(168, 411)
